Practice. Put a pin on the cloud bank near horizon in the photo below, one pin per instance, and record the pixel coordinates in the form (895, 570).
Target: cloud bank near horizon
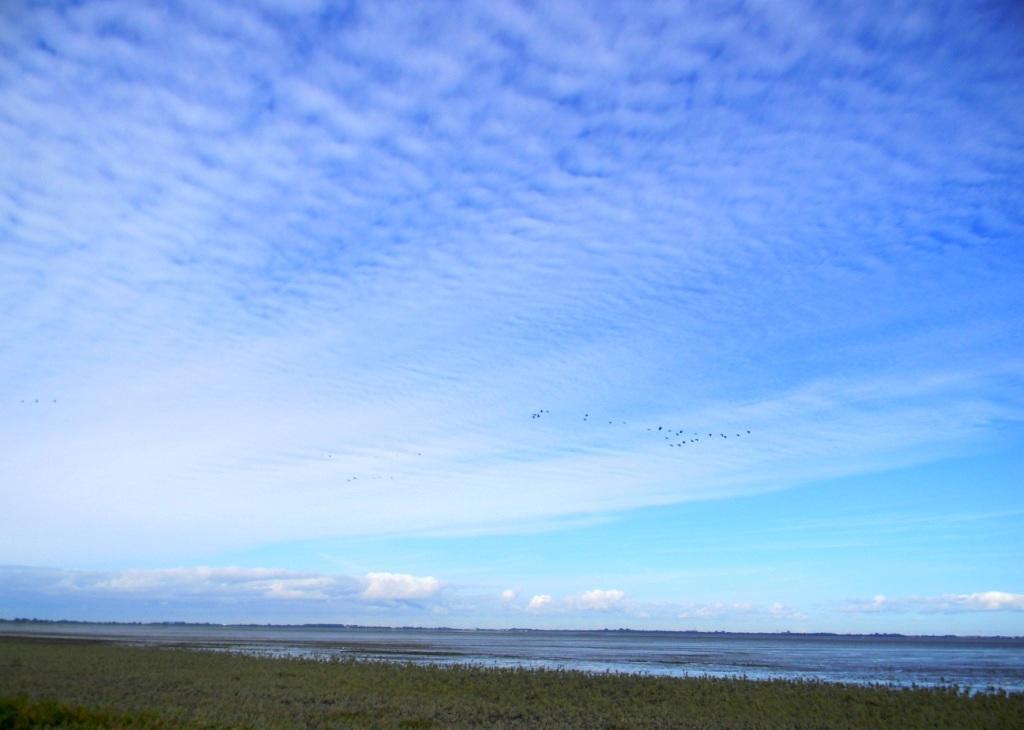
(951, 603)
(280, 274)
(234, 594)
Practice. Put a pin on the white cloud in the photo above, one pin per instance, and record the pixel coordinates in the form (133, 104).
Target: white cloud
(539, 602)
(299, 588)
(949, 603)
(225, 582)
(508, 595)
(399, 586)
(227, 594)
(740, 609)
(991, 601)
(782, 611)
(599, 600)
(717, 609)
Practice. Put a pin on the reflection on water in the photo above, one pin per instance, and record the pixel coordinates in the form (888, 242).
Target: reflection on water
(973, 663)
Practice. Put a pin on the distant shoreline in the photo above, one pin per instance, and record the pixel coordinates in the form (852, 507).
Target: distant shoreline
(514, 629)
(975, 663)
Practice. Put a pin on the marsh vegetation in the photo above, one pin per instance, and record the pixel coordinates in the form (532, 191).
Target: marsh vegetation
(105, 685)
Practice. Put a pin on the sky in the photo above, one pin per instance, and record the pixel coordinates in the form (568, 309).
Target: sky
(554, 315)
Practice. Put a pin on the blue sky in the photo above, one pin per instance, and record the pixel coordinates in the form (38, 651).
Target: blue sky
(288, 280)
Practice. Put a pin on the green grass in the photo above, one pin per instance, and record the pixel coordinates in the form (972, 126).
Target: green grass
(20, 712)
(86, 684)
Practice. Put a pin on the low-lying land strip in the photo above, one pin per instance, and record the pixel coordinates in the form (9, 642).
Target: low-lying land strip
(48, 682)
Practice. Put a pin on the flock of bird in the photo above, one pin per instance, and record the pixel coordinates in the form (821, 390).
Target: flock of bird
(676, 437)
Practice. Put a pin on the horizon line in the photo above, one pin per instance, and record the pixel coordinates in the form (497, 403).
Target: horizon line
(714, 632)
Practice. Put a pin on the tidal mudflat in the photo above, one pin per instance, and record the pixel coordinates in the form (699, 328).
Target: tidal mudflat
(973, 663)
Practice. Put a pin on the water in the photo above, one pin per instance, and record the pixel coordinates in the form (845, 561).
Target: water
(976, 664)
